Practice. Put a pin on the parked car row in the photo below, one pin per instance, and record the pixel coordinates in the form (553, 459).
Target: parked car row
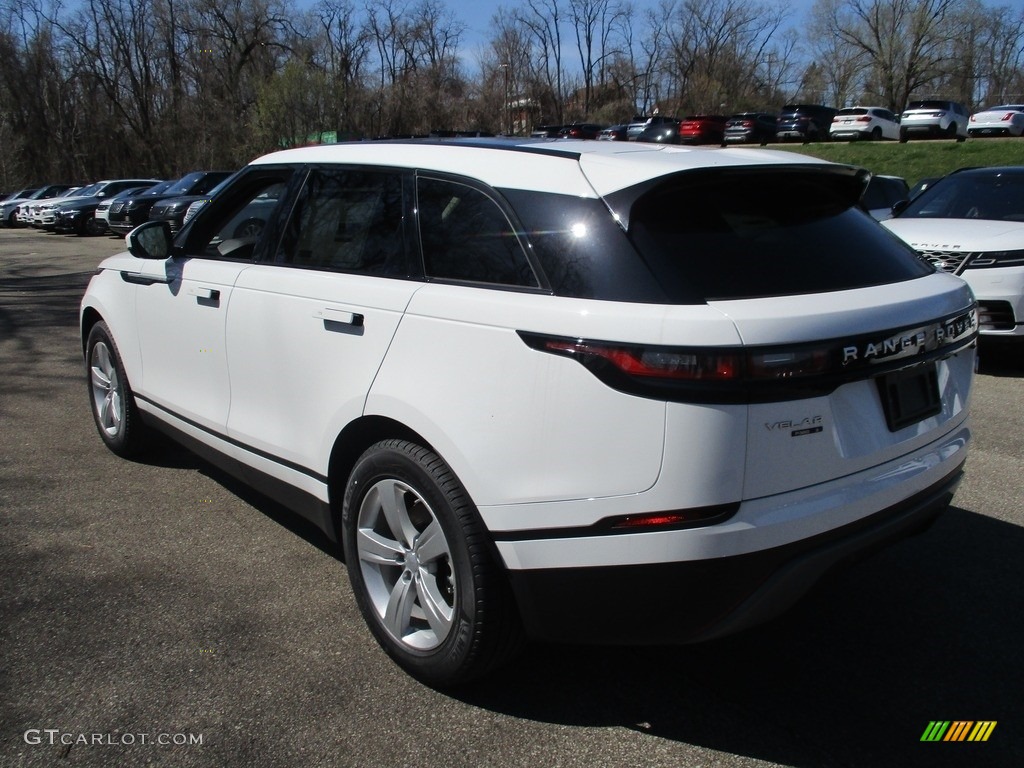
(931, 118)
(115, 205)
(10, 206)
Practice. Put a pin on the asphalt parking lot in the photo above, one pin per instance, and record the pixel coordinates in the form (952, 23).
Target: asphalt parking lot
(158, 613)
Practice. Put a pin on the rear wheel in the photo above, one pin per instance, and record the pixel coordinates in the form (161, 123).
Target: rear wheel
(876, 134)
(418, 559)
(903, 136)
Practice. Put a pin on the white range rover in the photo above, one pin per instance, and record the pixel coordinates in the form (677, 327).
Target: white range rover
(971, 223)
(559, 390)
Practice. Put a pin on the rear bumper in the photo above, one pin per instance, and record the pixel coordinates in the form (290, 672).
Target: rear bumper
(692, 601)
(931, 130)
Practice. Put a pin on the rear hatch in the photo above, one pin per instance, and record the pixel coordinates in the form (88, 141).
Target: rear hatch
(855, 352)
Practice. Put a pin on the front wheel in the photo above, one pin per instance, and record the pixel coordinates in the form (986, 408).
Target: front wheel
(418, 559)
(113, 405)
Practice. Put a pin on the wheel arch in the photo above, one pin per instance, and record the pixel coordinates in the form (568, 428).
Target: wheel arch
(348, 446)
(353, 441)
(90, 316)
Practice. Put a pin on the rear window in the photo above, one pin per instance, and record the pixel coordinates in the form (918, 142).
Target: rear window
(753, 233)
(852, 111)
(928, 105)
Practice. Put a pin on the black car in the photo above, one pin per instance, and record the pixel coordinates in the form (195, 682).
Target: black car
(750, 128)
(126, 215)
(77, 214)
(882, 193)
(545, 131)
(173, 209)
(804, 122)
(663, 131)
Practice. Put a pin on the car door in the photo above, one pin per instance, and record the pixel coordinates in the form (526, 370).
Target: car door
(183, 303)
(309, 326)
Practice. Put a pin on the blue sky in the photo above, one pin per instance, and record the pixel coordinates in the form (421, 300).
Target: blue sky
(477, 14)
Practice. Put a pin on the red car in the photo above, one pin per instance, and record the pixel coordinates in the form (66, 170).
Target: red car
(580, 131)
(702, 129)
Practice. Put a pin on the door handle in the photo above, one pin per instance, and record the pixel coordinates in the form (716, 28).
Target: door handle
(201, 292)
(341, 316)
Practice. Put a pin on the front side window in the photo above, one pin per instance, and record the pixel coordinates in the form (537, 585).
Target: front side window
(466, 237)
(231, 226)
(348, 220)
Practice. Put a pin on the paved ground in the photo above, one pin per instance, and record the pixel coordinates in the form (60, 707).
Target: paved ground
(161, 601)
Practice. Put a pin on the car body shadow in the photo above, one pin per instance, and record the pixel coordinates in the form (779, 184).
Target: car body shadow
(929, 629)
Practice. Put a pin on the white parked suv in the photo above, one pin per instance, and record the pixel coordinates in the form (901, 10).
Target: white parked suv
(934, 118)
(864, 123)
(971, 223)
(583, 391)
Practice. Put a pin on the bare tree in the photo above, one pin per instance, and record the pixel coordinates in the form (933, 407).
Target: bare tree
(598, 27)
(543, 19)
(1001, 56)
(906, 43)
(839, 64)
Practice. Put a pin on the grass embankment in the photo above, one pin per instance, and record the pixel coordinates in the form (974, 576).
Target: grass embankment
(917, 159)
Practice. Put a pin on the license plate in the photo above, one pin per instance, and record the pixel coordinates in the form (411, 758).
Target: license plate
(910, 396)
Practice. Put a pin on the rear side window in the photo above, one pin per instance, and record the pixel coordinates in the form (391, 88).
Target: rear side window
(467, 237)
(582, 250)
(753, 233)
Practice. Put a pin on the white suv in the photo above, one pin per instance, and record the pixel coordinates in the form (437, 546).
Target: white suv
(583, 391)
(971, 223)
(934, 118)
(864, 123)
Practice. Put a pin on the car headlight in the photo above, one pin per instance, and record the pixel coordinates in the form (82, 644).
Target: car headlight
(987, 259)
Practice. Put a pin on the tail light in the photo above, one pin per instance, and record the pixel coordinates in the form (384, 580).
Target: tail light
(864, 119)
(1009, 116)
(758, 374)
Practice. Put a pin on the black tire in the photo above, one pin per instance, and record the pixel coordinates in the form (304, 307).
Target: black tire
(876, 134)
(455, 620)
(114, 411)
(951, 131)
(12, 220)
(903, 136)
(93, 227)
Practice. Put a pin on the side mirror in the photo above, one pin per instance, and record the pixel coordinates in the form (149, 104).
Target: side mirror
(900, 207)
(151, 240)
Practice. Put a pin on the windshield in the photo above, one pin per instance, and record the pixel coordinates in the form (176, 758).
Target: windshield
(993, 195)
(88, 191)
(156, 189)
(184, 185)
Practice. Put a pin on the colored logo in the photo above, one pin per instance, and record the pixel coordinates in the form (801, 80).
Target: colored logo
(958, 730)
